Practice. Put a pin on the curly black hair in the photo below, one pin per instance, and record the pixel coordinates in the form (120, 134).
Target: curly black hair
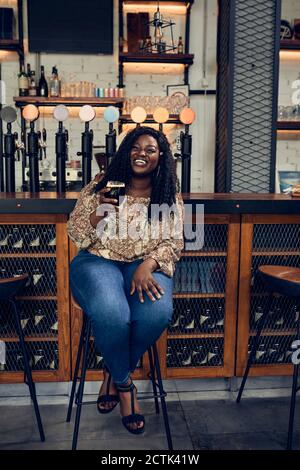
(165, 183)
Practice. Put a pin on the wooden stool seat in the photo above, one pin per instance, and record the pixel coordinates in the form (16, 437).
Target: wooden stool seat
(284, 280)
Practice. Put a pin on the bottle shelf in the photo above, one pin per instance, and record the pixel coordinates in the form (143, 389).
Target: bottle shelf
(194, 335)
(15, 339)
(193, 295)
(290, 44)
(204, 253)
(275, 333)
(37, 297)
(276, 253)
(76, 101)
(27, 255)
(185, 59)
(10, 45)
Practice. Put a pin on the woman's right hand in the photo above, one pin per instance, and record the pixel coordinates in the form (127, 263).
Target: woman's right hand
(94, 218)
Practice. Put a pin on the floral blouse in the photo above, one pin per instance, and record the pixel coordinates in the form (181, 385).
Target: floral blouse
(165, 249)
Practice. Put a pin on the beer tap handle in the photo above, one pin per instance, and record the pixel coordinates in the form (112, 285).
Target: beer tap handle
(44, 133)
(67, 135)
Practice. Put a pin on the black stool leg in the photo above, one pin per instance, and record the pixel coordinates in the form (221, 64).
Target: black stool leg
(27, 371)
(81, 384)
(254, 347)
(163, 401)
(77, 365)
(293, 400)
(154, 384)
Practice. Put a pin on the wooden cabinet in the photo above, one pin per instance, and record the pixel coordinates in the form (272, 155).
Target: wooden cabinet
(38, 245)
(266, 239)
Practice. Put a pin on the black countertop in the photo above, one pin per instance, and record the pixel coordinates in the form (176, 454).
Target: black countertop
(214, 203)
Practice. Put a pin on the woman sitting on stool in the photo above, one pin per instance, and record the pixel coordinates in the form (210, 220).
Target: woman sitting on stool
(124, 283)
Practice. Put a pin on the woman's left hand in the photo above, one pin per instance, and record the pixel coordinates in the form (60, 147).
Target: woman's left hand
(143, 279)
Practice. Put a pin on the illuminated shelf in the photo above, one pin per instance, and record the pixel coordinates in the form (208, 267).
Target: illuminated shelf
(30, 339)
(194, 335)
(185, 59)
(51, 101)
(10, 45)
(193, 295)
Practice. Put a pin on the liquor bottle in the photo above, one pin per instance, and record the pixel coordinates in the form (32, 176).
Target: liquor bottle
(257, 316)
(23, 82)
(275, 353)
(32, 86)
(99, 363)
(295, 314)
(33, 240)
(53, 364)
(180, 46)
(51, 282)
(148, 45)
(189, 320)
(4, 237)
(16, 239)
(205, 317)
(37, 281)
(278, 319)
(28, 75)
(261, 353)
(39, 359)
(43, 85)
(25, 322)
(219, 322)
(172, 360)
(54, 83)
(186, 357)
(214, 357)
(199, 356)
(40, 322)
(176, 317)
(54, 322)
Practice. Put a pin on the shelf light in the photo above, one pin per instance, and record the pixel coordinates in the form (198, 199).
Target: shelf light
(149, 68)
(290, 55)
(151, 7)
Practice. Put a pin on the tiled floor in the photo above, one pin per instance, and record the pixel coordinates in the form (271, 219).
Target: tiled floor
(203, 424)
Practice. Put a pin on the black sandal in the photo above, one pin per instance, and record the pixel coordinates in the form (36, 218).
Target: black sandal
(134, 417)
(107, 398)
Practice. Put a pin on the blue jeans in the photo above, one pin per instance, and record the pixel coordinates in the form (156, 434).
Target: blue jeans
(123, 327)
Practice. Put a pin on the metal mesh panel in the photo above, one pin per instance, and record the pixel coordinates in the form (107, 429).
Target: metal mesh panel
(202, 316)
(27, 239)
(274, 244)
(200, 274)
(38, 318)
(251, 77)
(195, 352)
(222, 96)
(42, 274)
(43, 355)
(197, 316)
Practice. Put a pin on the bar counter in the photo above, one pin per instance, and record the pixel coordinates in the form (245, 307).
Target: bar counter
(215, 203)
(217, 297)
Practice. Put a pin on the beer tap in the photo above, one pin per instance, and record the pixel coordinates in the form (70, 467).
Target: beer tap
(9, 115)
(138, 115)
(86, 114)
(111, 115)
(43, 143)
(161, 115)
(31, 114)
(61, 114)
(187, 117)
(24, 186)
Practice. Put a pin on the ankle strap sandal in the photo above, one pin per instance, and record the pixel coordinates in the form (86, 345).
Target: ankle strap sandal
(107, 398)
(133, 417)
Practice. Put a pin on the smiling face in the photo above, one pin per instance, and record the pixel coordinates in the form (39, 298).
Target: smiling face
(144, 155)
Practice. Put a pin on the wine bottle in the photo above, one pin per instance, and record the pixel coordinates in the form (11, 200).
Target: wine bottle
(23, 82)
(32, 86)
(43, 85)
(54, 83)
(180, 45)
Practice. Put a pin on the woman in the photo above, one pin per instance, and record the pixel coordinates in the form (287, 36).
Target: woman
(124, 283)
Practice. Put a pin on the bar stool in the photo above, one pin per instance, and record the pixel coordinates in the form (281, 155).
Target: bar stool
(82, 357)
(283, 280)
(9, 287)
